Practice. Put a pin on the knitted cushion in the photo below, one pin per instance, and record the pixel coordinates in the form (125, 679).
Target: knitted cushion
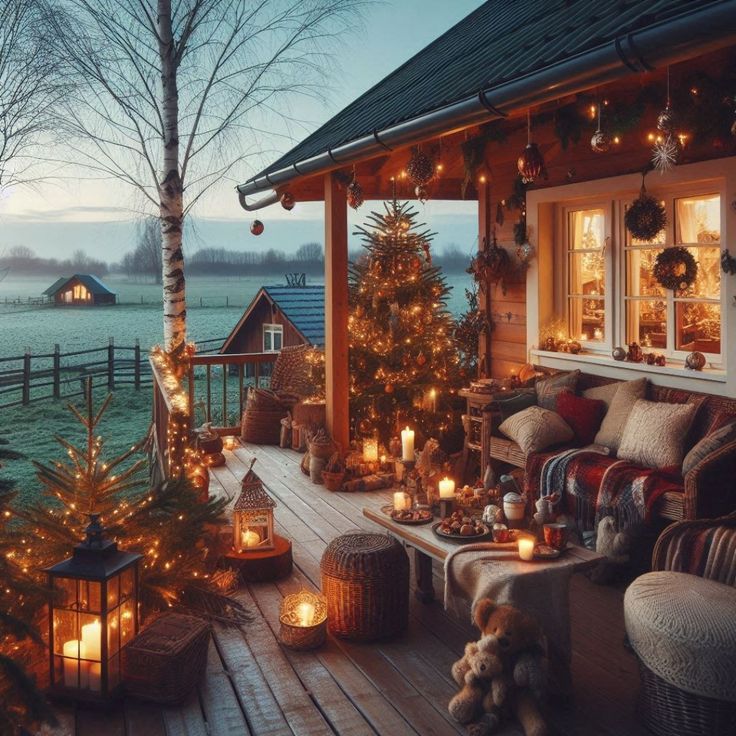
(622, 402)
(534, 429)
(604, 393)
(710, 443)
(549, 388)
(516, 403)
(654, 434)
(683, 628)
(583, 415)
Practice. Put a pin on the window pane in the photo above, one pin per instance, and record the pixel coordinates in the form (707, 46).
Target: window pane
(708, 281)
(698, 219)
(587, 319)
(646, 322)
(587, 273)
(267, 340)
(698, 327)
(639, 278)
(587, 230)
(277, 340)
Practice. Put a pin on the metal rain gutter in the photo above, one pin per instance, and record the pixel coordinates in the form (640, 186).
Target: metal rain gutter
(701, 31)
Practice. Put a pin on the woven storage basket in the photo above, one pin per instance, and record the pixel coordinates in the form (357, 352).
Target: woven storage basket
(323, 450)
(262, 417)
(166, 660)
(333, 481)
(668, 711)
(365, 578)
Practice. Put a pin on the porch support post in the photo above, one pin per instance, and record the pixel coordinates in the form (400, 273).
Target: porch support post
(336, 312)
(484, 301)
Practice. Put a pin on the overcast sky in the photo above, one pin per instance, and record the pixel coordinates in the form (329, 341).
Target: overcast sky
(59, 217)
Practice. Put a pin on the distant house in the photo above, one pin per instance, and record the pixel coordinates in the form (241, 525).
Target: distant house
(82, 289)
(280, 316)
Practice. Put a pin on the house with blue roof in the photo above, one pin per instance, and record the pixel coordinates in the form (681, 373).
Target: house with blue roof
(80, 290)
(280, 316)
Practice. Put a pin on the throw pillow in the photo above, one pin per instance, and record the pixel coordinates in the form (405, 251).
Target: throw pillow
(655, 433)
(603, 393)
(516, 403)
(535, 429)
(623, 400)
(710, 443)
(549, 388)
(583, 415)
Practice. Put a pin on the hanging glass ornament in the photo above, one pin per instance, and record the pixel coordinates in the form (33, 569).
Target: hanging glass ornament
(601, 141)
(355, 193)
(421, 193)
(531, 161)
(666, 120)
(256, 227)
(420, 168)
(525, 253)
(288, 201)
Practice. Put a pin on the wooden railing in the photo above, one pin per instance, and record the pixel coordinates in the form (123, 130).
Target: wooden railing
(215, 388)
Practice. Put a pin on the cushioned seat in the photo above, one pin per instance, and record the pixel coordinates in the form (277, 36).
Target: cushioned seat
(683, 628)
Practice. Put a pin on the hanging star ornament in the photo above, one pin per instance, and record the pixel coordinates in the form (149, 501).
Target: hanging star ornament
(665, 153)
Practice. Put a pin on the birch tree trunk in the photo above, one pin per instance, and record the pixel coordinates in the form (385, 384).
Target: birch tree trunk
(171, 192)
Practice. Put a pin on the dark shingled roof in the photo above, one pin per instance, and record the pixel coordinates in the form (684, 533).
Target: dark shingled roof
(501, 41)
(304, 307)
(92, 283)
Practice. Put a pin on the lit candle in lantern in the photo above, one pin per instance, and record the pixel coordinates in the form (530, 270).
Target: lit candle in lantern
(399, 501)
(447, 488)
(95, 676)
(370, 450)
(526, 548)
(249, 538)
(92, 640)
(305, 613)
(407, 444)
(74, 651)
(230, 442)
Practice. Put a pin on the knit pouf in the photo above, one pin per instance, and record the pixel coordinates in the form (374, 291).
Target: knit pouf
(365, 578)
(683, 629)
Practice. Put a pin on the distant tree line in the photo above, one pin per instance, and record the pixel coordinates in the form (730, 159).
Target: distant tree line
(22, 261)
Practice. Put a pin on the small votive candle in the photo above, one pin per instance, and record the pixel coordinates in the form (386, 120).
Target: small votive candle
(583, 336)
(305, 613)
(249, 538)
(400, 501)
(526, 548)
(598, 333)
(370, 451)
(230, 442)
(447, 488)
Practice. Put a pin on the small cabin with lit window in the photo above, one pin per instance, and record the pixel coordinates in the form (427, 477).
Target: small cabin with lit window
(278, 317)
(80, 290)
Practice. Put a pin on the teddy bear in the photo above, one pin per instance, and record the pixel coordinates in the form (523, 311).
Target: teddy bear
(521, 647)
(473, 673)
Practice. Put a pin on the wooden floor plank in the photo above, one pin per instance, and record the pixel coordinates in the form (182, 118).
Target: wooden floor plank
(93, 722)
(186, 719)
(143, 719)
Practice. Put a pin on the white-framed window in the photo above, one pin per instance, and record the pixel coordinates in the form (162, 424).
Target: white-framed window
(273, 338)
(676, 322)
(588, 274)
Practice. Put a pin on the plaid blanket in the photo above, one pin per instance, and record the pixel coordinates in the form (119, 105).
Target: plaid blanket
(594, 484)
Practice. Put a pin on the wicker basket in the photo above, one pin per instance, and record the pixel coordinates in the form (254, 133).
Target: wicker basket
(323, 450)
(333, 481)
(668, 711)
(296, 636)
(166, 660)
(365, 578)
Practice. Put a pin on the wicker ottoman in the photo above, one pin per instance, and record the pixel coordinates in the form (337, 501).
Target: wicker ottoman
(365, 578)
(683, 629)
(166, 660)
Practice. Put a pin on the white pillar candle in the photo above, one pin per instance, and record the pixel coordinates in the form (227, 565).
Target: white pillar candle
(407, 444)
(249, 538)
(92, 640)
(370, 451)
(399, 501)
(305, 613)
(73, 651)
(447, 488)
(526, 548)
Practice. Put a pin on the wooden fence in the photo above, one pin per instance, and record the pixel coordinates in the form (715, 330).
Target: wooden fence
(32, 377)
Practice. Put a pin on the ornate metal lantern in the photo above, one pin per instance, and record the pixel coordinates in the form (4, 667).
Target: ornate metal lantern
(253, 516)
(93, 614)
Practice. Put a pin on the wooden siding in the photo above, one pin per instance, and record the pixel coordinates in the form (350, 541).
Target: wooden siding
(249, 338)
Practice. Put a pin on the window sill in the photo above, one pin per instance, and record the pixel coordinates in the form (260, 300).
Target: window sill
(671, 369)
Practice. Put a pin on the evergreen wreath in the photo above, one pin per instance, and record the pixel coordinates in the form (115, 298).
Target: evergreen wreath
(645, 217)
(675, 268)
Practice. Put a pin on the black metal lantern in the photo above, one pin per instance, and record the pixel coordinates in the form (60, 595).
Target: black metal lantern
(93, 614)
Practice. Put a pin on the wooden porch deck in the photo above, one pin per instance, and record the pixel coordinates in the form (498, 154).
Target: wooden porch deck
(253, 686)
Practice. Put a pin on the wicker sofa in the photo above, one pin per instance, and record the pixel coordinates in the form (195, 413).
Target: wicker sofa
(679, 622)
(707, 491)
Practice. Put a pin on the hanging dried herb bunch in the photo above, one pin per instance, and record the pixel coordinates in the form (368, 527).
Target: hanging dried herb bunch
(675, 268)
(646, 216)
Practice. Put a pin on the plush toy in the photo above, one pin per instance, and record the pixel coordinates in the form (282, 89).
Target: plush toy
(473, 674)
(521, 648)
(613, 544)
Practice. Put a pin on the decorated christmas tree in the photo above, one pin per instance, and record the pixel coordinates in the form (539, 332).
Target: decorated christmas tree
(169, 525)
(403, 357)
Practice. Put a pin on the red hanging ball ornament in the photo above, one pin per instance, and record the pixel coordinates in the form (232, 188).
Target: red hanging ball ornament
(288, 201)
(530, 163)
(256, 227)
